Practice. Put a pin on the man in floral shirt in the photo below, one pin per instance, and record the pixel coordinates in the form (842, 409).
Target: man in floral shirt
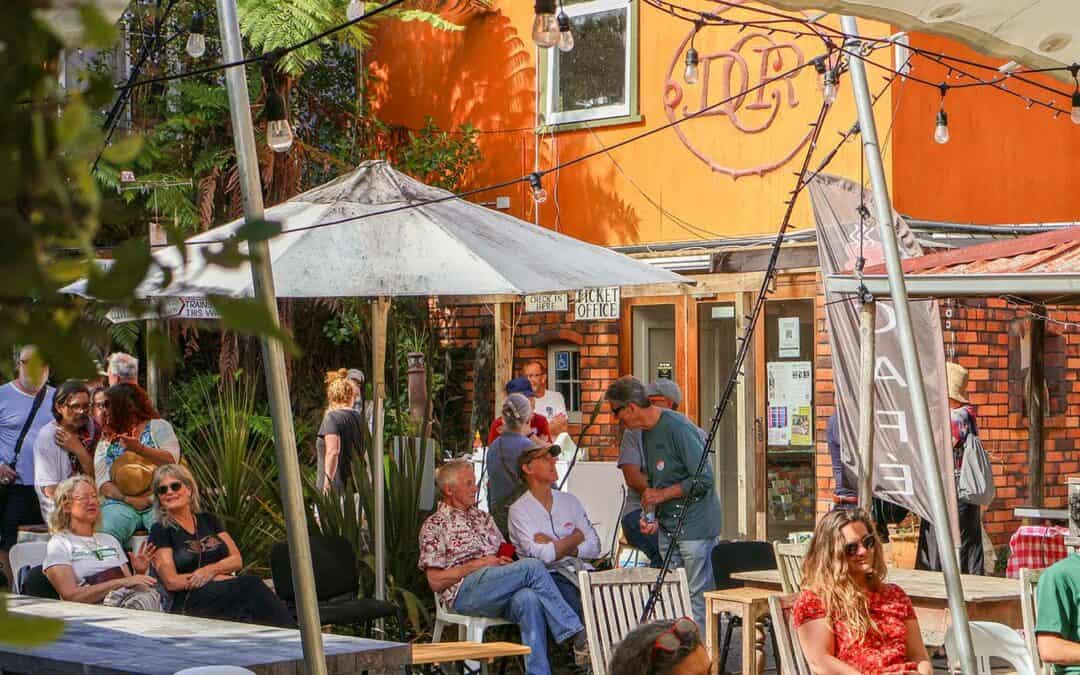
(459, 553)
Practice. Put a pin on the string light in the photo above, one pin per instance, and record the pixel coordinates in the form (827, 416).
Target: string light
(941, 126)
(279, 135)
(355, 10)
(1074, 69)
(545, 30)
(196, 41)
(819, 67)
(829, 85)
(690, 75)
(566, 36)
(539, 194)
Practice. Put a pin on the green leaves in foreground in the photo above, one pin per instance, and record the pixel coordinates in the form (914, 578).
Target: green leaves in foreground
(26, 631)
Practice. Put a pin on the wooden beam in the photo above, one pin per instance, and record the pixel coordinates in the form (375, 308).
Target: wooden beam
(746, 444)
(706, 285)
(757, 259)
(504, 350)
(1036, 409)
(478, 299)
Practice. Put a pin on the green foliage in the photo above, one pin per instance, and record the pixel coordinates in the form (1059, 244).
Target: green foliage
(27, 631)
(440, 158)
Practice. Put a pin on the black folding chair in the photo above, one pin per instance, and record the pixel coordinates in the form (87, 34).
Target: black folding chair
(730, 557)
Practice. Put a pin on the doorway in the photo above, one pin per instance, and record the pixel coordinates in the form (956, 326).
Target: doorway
(716, 356)
(654, 342)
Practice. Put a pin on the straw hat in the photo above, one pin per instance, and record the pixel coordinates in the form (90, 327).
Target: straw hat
(957, 377)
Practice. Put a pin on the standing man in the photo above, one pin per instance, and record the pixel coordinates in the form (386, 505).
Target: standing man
(673, 451)
(25, 407)
(549, 402)
(122, 369)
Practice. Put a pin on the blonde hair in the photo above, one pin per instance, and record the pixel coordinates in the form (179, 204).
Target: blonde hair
(516, 412)
(60, 518)
(826, 571)
(181, 473)
(340, 392)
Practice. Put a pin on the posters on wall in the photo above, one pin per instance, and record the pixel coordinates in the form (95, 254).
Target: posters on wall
(788, 330)
(790, 395)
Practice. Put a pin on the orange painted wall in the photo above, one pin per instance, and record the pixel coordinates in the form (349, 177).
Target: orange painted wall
(485, 75)
(1003, 163)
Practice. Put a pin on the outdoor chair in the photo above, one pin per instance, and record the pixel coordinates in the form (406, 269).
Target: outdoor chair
(24, 556)
(789, 560)
(337, 584)
(990, 639)
(790, 656)
(614, 600)
(36, 584)
(470, 628)
(729, 557)
(1029, 583)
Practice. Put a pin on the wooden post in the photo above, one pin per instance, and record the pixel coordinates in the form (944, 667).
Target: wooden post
(380, 311)
(154, 383)
(1036, 409)
(867, 322)
(504, 350)
(745, 437)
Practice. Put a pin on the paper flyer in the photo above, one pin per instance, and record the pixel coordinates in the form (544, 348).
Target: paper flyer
(790, 392)
(802, 426)
(789, 337)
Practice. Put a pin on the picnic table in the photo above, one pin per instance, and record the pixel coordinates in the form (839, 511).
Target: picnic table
(987, 598)
(99, 640)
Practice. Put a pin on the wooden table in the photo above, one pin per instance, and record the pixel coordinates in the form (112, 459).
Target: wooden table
(100, 640)
(749, 604)
(987, 598)
(452, 652)
(1039, 513)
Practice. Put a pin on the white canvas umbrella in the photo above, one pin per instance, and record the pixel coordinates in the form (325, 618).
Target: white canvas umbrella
(376, 232)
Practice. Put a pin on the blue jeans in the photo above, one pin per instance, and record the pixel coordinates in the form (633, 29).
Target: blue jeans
(646, 543)
(121, 520)
(696, 556)
(524, 593)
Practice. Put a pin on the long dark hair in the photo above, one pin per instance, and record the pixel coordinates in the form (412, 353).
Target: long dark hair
(64, 392)
(128, 405)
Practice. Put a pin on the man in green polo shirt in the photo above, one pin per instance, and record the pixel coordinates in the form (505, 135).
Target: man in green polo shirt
(673, 450)
(1058, 622)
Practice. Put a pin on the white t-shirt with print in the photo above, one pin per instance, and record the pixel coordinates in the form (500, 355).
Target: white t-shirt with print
(157, 434)
(551, 404)
(87, 556)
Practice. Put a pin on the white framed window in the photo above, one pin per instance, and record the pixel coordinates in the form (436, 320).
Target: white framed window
(564, 376)
(597, 79)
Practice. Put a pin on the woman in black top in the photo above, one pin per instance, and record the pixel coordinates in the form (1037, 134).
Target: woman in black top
(197, 560)
(341, 433)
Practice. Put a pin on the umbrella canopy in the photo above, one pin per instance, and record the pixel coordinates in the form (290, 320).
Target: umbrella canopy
(1036, 33)
(450, 247)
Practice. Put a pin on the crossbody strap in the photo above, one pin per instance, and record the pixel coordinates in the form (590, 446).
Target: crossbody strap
(26, 425)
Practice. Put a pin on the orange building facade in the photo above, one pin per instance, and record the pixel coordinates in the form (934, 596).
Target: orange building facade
(692, 197)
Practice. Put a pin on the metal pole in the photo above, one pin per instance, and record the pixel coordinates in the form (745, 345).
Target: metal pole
(867, 322)
(898, 290)
(380, 311)
(277, 386)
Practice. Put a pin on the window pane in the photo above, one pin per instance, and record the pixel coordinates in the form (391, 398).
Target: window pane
(593, 73)
(566, 380)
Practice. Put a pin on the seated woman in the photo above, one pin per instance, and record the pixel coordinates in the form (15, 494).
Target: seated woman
(849, 620)
(87, 566)
(663, 647)
(551, 525)
(135, 435)
(197, 560)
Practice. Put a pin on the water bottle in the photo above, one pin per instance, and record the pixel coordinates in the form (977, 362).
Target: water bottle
(650, 514)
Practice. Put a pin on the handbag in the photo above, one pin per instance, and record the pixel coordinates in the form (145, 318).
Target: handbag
(976, 485)
(38, 399)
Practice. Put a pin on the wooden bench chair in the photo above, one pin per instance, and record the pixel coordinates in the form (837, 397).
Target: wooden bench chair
(790, 656)
(1029, 583)
(789, 561)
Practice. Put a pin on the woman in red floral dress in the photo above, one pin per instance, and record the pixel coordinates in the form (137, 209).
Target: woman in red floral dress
(848, 619)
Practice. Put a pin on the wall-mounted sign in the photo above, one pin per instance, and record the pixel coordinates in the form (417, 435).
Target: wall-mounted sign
(546, 302)
(597, 304)
(664, 370)
(789, 337)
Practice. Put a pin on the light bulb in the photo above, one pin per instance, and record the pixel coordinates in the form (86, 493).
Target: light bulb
(1075, 107)
(545, 31)
(355, 10)
(566, 36)
(941, 129)
(691, 73)
(828, 89)
(819, 66)
(279, 135)
(539, 194)
(196, 42)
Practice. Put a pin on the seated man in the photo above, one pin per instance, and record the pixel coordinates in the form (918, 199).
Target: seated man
(1057, 626)
(551, 525)
(459, 553)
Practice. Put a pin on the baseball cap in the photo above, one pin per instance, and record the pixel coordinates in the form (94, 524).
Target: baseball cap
(520, 385)
(666, 388)
(539, 449)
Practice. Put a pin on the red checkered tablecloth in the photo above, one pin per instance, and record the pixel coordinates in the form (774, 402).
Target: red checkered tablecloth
(1035, 548)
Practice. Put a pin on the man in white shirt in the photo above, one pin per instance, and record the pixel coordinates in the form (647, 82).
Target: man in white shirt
(64, 446)
(549, 402)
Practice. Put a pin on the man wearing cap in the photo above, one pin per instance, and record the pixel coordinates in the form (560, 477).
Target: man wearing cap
(356, 377)
(549, 402)
(551, 525)
(663, 393)
(673, 451)
(538, 424)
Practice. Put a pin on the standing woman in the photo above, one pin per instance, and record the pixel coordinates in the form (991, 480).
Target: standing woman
(504, 480)
(197, 560)
(341, 435)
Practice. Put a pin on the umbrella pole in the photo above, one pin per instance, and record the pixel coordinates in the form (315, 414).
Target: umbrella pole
(867, 321)
(898, 290)
(273, 352)
(380, 310)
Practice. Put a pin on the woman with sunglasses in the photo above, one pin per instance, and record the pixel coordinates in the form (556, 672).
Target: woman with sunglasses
(84, 565)
(849, 620)
(197, 560)
(661, 648)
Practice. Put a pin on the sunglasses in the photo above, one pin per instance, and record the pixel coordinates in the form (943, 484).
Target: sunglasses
(164, 489)
(616, 409)
(679, 634)
(868, 542)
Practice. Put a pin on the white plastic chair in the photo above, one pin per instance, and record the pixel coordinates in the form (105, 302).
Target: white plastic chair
(990, 639)
(26, 554)
(470, 628)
